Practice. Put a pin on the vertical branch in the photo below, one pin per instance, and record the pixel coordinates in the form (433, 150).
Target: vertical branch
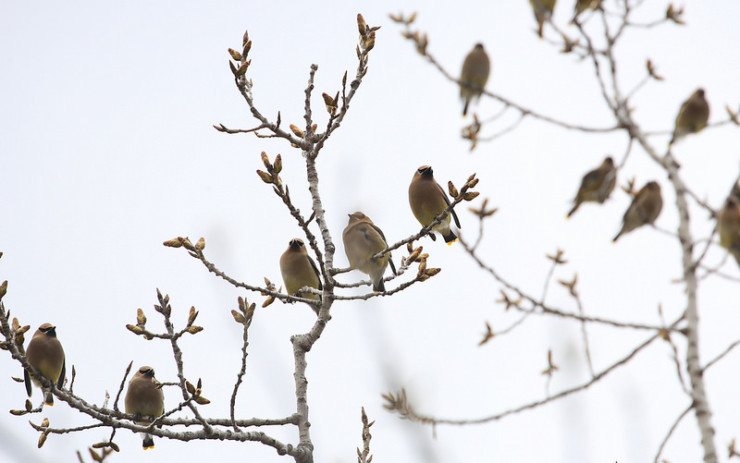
(304, 452)
(693, 364)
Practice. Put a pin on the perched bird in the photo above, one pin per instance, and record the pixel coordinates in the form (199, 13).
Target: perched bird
(542, 12)
(427, 200)
(645, 208)
(596, 185)
(46, 354)
(362, 240)
(299, 270)
(692, 116)
(729, 226)
(736, 190)
(583, 5)
(475, 71)
(144, 398)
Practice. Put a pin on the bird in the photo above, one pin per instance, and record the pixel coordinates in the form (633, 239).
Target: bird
(583, 5)
(644, 209)
(144, 398)
(596, 185)
(729, 226)
(474, 74)
(299, 270)
(428, 200)
(45, 353)
(542, 12)
(692, 116)
(362, 240)
(736, 190)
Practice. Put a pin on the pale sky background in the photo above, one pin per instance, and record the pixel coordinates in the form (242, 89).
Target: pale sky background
(108, 150)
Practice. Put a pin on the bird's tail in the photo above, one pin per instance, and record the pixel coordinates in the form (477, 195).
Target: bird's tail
(148, 442)
(572, 211)
(450, 238)
(49, 400)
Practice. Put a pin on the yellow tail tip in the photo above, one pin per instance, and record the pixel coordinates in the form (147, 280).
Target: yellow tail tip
(149, 447)
(449, 243)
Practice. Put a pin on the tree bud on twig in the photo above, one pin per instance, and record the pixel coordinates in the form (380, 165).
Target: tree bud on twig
(235, 55)
(239, 318)
(267, 178)
(451, 188)
(297, 131)
(173, 243)
(140, 317)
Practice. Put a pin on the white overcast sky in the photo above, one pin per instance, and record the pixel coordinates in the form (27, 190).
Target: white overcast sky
(108, 149)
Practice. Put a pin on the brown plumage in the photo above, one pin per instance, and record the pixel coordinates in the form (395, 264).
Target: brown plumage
(728, 224)
(736, 190)
(644, 209)
(583, 5)
(299, 270)
(362, 240)
(692, 116)
(475, 71)
(46, 354)
(596, 185)
(543, 10)
(427, 200)
(144, 398)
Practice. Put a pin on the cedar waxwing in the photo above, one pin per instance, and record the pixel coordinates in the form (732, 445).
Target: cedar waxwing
(542, 12)
(475, 71)
(692, 116)
(45, 353)
(583, 5)
(729, 227)
(144, 398)
(362, 240)
(736, 190)
(645, 208)
(427, 200)
(596, 185)
(299, 270)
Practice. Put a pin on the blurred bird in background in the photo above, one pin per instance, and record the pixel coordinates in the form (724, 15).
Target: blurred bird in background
(474, 74)
(692, 116)
(543, 10)
(729, 226)
(644, 209)
(596, 185)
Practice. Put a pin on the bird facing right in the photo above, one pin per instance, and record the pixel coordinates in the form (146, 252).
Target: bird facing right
(583, 5)
(428, 200)
(362, 240)
(728, 224)
(144, 398)
(644, 209)
(692, 116)
(596, 185)
(45, 353)
(474, 74)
